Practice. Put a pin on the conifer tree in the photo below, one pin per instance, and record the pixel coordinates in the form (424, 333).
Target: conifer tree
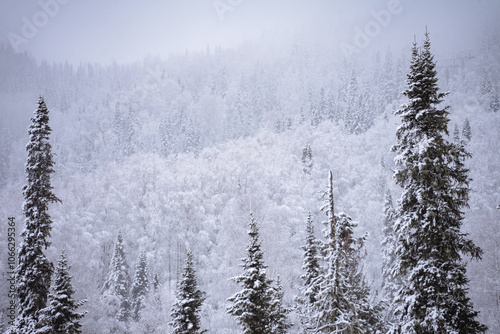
(341, 304)
(186, 310)
(34, 271)
(466, 131)
(312, 270)
(279, 313)
(117, 285)
(307, 160)
(140, 286)
(431, 245)
(311, 261)
(61, 316)
(352, 104)
(252, 305)
(390, 282)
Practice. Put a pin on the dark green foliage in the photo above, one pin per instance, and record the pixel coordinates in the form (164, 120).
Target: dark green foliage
(311, 267)
(117, 286)
(311, 259)
(433, 298)
(140, 286)
(185, 311)
(279, 313)
(341, 302)
(34, 271)
(252, 306)
(61, 316)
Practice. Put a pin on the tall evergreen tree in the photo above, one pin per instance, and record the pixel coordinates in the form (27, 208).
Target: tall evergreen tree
(435, 182)
(117, 285)
(186, 310)
(352, 103)
(341, 304)
(312, 269)
(34, 271)
(61, 316)
(279, 313)
(140, 286)
(311, 264)
(390, 282)
(252, 305)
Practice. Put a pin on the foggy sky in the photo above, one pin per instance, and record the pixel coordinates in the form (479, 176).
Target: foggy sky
(126, 30)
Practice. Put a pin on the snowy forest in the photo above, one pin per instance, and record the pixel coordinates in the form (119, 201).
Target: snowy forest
(179, 180)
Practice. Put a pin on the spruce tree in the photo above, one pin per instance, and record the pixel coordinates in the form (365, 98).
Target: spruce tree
(140, 286)
(466, 131)
(34, 271)
(186, 310)
(307, 160)
(117, 285)
(312, 270)
(435, 182)
(279, 313)
(341, 304)
(390, 281)
(252, 305)
(61, 316)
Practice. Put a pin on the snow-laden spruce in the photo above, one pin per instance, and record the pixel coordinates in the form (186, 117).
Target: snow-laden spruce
(115, 294)
(61, 315)
(341, 295)
(186, 309)
(311, 267)
(258, 306)
(390, 281)
(431, 246)
(140, 286)
(34, 271)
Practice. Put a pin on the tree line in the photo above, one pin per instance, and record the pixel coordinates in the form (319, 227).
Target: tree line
(424, 270)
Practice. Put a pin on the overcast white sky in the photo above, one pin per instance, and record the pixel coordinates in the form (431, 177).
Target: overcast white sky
(128, 30)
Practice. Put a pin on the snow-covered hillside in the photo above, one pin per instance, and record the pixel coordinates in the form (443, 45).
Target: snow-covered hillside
(176, 153)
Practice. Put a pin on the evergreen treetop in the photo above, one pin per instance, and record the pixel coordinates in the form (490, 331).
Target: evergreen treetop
(435, 191)
(34, 271)
(311, 259)
(117, 283)
(280, 323)
(341, 304)
(185, 311)
(252, 305)
(140, 285)
(390, 283)
(61, 316)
